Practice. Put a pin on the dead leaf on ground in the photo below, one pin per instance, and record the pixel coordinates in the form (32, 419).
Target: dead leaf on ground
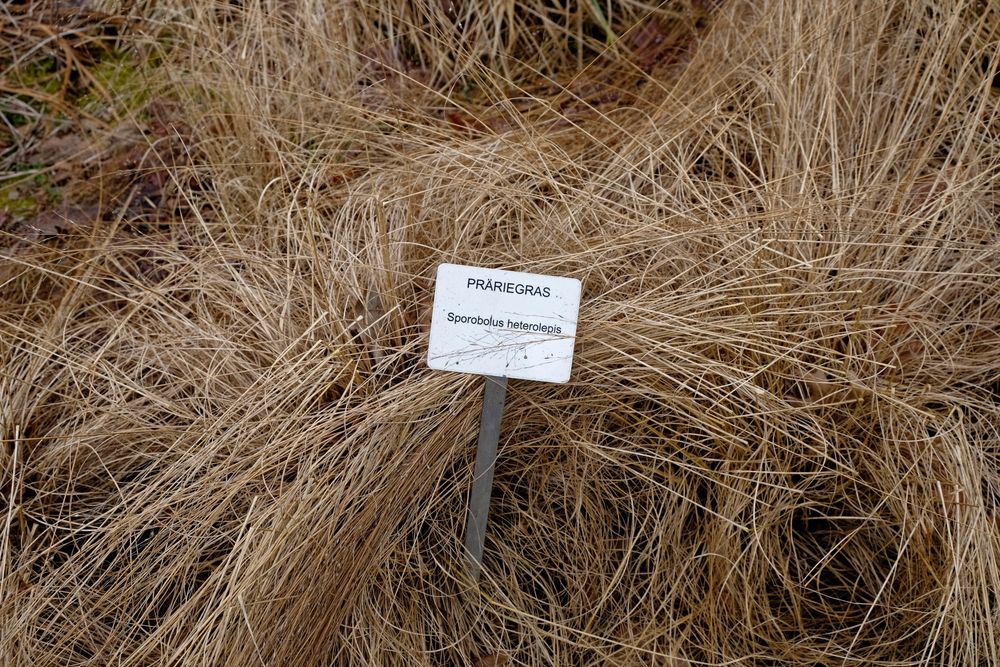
(54, 149)
(647, 43)
(166, 118)
(657, 44)
(492, 660)
(465, 123)
(60, 220)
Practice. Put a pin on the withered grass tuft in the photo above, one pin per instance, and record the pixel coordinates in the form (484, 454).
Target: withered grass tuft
(781, 442)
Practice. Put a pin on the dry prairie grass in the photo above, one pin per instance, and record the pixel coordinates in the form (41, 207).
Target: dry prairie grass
(781, 442)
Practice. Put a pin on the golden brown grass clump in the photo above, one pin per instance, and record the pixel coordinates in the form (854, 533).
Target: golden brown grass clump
(781, 441)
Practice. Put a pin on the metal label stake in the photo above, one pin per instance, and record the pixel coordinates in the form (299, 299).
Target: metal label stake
(501, 324)
(482, 482)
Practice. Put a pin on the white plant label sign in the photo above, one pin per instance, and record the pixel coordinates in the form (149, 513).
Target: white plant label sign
(503, 323)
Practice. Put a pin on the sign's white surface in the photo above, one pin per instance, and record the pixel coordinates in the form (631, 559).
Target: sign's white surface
(503, 323)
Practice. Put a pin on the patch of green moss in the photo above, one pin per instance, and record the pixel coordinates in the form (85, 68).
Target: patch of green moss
(22, 193)
(14, 201)
(41, 74)
(118, 74)
(38, 78)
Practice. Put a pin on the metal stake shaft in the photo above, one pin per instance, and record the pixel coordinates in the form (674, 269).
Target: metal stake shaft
(482, 483)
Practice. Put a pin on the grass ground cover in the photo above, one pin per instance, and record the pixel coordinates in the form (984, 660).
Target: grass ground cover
(219, 224)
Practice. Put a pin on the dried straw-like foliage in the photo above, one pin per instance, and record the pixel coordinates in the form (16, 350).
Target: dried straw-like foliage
(781, 442)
